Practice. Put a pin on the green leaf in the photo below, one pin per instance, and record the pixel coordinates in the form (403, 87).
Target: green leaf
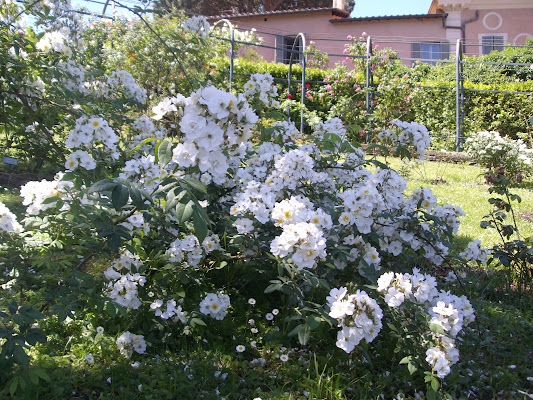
(163, 152)
(120, 196)
(304, 335)
(406, 360)
(431, 394)
(196, 186)
(200, 226)
(412, 368)
(435, 384)
(184, 211)
(197, 322)
(136, 197)
(273, 287)
(41, 373)
(437, 329)
(174, 196)
(14, 385)
(20, 356)
(50, 200)
(313, 322)
(139, 146)
(103, 186)
(111, 310)
(12, 308)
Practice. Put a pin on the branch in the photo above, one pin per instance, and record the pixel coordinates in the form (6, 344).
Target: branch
(45, 130)
(78, 267)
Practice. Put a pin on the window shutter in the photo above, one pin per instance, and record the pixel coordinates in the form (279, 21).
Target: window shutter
(498, 43)
(486, 44)
(444, 50)
(416, 50)
(280, 48)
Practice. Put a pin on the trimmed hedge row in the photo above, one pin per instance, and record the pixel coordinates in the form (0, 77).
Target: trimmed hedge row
(418, 97)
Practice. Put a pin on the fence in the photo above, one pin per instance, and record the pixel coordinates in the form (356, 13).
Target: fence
(460, 91)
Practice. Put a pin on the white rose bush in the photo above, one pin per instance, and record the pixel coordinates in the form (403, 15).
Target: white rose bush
(173, 234)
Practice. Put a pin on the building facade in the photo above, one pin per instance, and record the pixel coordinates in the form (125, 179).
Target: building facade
(482, 26)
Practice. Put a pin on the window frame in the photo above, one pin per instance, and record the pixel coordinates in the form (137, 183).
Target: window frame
(443, 51)
(284, 45)
(482, 46)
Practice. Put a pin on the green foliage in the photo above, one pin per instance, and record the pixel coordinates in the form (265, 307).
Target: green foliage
(515, 253)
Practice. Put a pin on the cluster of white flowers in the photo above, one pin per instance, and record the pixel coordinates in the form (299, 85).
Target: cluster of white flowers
(359, 317)
(54, 41)
(169, 311)
(287, 130)
(359, 249)
(35, 193)
(213, 123)
(492, 150)
(89, 131)
(410, 134)
(123, 282)
(73, 76)
(198, 25)
(305, 241)
(86, 135)
(250, 36)
(8, 220)
(80, 158)
(189, 249)
(448, 311)
(123, 79)
(262, 86)
(215, 305)
(302, 234)
(145, 171)
(365, 203)
(145, 130)
(475, 251)
(128, 342)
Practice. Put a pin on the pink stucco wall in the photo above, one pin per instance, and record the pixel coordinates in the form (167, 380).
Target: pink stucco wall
(330, 37)
(397, 33)
(516, 25)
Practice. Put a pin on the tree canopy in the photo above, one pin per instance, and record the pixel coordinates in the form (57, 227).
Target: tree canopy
(217, 7)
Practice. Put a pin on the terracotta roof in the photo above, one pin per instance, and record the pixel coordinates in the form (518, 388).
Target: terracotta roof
(388, 17)
(334, 11)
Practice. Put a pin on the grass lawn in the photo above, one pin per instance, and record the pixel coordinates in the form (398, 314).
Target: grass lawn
(463, 185)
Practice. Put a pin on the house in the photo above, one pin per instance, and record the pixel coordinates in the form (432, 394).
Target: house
(482, 26)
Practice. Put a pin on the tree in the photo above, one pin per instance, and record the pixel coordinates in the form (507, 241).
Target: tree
(217, 7)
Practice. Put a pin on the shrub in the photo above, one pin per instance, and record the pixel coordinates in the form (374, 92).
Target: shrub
(493, 151)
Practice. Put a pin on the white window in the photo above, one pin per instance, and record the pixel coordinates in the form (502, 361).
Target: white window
(488, 43)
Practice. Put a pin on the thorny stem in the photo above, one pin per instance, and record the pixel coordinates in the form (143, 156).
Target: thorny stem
(512, 213)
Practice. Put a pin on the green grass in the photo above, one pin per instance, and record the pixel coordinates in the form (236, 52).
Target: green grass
(463, 185)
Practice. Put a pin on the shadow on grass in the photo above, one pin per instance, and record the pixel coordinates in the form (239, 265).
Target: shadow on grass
(460, 241)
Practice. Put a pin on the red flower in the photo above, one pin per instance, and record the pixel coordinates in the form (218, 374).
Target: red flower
(289, 96)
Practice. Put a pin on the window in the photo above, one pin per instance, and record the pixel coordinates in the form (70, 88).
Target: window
(492, 43)
(284, 48)
(430, 51)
